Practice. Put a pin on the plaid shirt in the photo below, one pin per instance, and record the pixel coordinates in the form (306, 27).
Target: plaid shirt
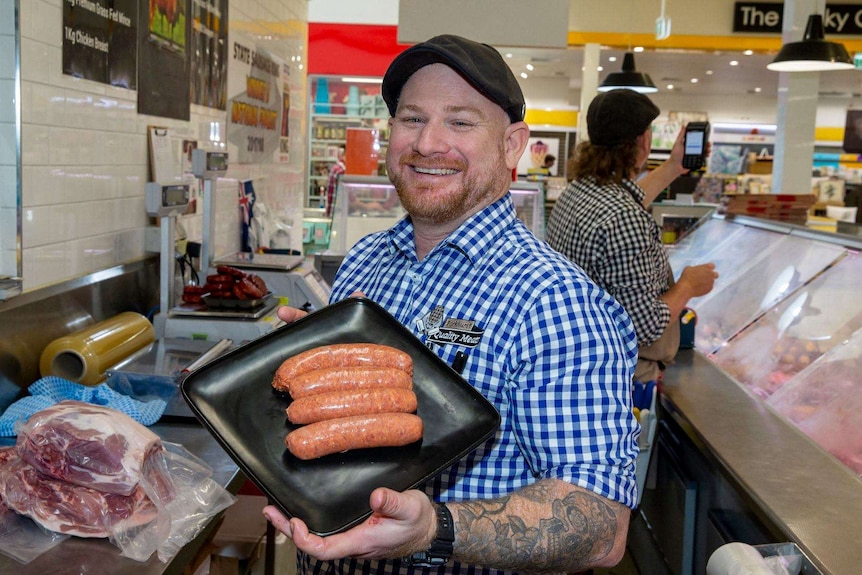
(555, 358)
(607, 231)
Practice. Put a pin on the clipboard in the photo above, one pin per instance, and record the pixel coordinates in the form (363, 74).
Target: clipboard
(163, 167)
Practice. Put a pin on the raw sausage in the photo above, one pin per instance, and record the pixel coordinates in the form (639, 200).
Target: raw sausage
(341, 355)
(335, 404)
(346, 379)
(356, 432)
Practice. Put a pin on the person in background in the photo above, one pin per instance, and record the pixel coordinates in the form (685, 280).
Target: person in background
(552, 490)
(335, 173)
(550, 159)
(602, 223)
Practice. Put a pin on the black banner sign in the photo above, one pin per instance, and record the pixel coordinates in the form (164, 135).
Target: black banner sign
(99, 38)
(767, 17)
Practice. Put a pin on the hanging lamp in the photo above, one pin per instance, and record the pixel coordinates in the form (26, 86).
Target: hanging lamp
(628, 78)
(812, 53)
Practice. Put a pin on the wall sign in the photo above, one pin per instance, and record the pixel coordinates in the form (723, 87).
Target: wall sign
(257, 102)
(767, 17)
(99, 38)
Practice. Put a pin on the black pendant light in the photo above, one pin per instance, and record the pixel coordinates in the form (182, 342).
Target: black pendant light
(628, 78)
(812, 53)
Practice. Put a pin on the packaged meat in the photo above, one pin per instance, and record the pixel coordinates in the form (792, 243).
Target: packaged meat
(90, 445)
(67, 508)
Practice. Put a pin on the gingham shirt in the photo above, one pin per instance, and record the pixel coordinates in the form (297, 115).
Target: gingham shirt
(607, 231)
(555, 358)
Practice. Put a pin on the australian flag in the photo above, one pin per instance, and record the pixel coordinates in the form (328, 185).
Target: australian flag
(246, 206)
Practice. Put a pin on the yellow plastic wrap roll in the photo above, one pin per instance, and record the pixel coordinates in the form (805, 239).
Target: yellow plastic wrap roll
(85, 356)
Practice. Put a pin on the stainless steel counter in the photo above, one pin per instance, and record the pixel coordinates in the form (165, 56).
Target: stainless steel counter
(79, 556)
(805, 492)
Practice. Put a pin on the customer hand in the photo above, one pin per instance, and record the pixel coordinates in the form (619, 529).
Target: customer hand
(699, 279)
(400, 524)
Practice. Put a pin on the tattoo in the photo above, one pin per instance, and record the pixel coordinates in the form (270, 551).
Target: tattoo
(580, 530)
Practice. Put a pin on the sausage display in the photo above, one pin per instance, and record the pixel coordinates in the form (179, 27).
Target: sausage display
(356, 432)
(324, 406)
(345, 379)
(341, 355)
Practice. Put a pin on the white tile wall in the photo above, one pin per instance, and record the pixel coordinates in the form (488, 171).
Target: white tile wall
(84, 149)
(8, 143)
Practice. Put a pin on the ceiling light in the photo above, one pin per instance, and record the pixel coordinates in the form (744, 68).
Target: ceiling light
(524, 75)
(508, 54)
(748, 52)
(628, 78)
(734, 63)
(529, 67)
(757, 90)
(812, 53)
(639, 48)
(612, 59)
(670, 86)
(708, 72)
(694, 80)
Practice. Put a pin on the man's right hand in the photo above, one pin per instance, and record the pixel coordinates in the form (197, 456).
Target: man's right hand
(699, 279)
(289, 314)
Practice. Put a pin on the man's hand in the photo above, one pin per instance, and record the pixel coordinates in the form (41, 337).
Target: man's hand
(289, 314)
(699, 279)
(400, 524)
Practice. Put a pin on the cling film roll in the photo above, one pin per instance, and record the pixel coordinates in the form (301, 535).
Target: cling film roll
(85, 356)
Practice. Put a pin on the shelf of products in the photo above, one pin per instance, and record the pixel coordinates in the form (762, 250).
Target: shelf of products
(336, 107)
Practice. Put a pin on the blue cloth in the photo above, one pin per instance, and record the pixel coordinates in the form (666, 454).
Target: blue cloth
(555, 354)
(50, 390)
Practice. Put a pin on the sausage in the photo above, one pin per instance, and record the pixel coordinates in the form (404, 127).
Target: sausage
(357, 432)
(341, 355)
(346, 379)
(346, 403)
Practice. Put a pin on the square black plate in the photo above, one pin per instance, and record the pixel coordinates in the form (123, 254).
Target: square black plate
(233, 397)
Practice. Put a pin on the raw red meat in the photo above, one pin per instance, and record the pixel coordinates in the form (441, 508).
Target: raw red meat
(91, 446)
(67, 508)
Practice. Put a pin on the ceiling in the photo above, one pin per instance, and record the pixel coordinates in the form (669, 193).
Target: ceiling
(713, 71)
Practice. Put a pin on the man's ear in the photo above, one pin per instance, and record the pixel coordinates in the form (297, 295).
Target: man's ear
(517, 135)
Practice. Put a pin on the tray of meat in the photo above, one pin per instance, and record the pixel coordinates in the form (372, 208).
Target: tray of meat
(234, 303)
(322, 411)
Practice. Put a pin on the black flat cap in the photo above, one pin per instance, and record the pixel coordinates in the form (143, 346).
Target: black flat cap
(619, 115)
(479, 64)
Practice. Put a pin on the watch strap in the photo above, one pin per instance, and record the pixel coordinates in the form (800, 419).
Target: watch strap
(443, 545)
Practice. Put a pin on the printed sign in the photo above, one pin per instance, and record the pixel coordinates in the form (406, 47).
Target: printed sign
(767, 17)
(99, 41)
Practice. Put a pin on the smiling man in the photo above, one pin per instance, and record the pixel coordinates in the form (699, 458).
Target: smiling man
(551, 491)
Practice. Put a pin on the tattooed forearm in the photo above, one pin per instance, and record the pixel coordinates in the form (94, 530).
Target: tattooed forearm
(549, 526)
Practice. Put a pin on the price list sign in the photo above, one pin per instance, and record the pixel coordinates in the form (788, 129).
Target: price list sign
(99, 41)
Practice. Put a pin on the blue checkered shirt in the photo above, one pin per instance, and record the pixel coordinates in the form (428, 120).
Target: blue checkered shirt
(607, 231)
(555, 359)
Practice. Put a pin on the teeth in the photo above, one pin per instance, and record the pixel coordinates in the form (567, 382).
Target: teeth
(436, 171)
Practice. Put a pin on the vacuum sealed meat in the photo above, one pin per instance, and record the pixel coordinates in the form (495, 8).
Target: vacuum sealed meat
(91, 446)
(68, 508)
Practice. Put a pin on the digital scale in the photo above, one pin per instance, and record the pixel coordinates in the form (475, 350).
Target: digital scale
(290, 278)
(198, 321)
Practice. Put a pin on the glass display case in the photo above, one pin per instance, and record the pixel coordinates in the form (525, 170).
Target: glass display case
(785, 322)
(529, 200)
(825, 403)
(363, 205)
(795, 333)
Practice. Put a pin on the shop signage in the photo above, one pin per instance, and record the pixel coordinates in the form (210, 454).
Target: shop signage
(257, 104)
(99, 38)
(766, 17)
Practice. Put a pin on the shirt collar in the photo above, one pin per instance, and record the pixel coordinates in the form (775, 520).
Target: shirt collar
(635, 190)
(473, 238)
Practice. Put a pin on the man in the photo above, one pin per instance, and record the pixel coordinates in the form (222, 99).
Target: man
(335, 173)
(602, 223)
(552, 490)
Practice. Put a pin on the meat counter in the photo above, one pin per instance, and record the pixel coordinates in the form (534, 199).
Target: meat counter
(759, 440)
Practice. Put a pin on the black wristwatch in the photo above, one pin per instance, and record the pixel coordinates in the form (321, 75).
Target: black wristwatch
(443, 545)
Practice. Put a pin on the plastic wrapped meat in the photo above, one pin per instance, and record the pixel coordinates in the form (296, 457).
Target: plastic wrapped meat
(91, 446)
(67, 508)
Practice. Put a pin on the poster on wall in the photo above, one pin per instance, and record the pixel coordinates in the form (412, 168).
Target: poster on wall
(256, 103)
(99, 41)
(163, 59)
(541, 156)
(208, 53)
